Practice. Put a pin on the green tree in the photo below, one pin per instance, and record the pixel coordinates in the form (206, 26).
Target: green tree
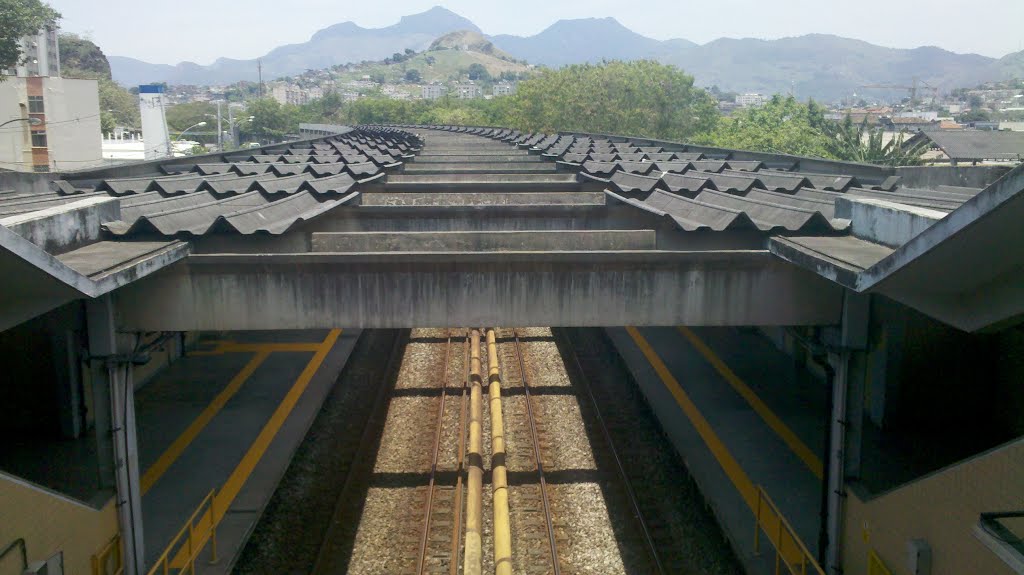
(638, 98)
(413, 75)
(118, 107)
(19, 18)
(477, 71)
(783, 126)
(973, 116)
(181, 116)
(271, 120)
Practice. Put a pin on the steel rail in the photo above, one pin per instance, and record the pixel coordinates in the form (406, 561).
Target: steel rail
(545, 500)
(422, 557)
(460, 470)
(630, 492)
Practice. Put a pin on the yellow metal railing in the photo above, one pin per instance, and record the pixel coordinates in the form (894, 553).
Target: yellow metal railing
(789, 549)
(875, 565)
(190, 541)
(108, 560)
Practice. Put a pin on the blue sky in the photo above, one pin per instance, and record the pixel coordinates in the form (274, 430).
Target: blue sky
(200, 31)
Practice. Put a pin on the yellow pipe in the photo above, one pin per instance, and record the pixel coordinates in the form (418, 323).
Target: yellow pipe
(473, 557)
(499, 478)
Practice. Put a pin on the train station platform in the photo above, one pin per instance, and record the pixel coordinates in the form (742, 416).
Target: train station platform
(227, 418)
(748, 421)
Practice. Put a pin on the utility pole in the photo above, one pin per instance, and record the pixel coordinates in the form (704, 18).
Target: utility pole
(231, 126)
(259, 68)
(220, 133)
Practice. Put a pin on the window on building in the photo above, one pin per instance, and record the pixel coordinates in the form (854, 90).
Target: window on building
(35, 105)
(40, 168)
(39, 139)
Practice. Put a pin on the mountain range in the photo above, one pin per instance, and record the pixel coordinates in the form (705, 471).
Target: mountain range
(815, 65)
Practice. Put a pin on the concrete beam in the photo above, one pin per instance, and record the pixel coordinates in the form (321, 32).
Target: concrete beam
(67, 226)
(302, 291)
(477, 199)
(883, 221)
(436, 168)
(472, 241)
(475, 159)
(550, 182)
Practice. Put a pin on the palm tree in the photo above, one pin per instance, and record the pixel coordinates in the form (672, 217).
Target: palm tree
(860, 143)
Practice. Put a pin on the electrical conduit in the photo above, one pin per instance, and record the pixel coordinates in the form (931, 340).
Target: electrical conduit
(499, 478)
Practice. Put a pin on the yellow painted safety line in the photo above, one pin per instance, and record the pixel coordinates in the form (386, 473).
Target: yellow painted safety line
(238, 477)
(777, 425)
(235, 347)
(171, 454)
(729, 465)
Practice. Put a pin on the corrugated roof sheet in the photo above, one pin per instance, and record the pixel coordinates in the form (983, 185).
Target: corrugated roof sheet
(716, 191)
(979, 144)
(268, 192)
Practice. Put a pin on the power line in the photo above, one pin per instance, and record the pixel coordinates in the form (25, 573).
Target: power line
(47, 125)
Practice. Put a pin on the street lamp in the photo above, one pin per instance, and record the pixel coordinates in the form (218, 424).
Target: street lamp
(197, 125)
(31, 121)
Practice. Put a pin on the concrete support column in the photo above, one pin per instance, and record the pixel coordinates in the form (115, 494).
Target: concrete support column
(840, 362)
(114, 402)
(845, 418)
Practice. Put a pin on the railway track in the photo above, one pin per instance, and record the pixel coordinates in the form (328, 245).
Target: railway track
(534, 524)
(407, 505)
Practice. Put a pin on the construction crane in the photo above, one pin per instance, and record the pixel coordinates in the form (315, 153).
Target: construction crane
(917, 85)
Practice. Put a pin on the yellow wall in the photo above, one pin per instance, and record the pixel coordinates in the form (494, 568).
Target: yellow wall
(941, 508)
(50, 523)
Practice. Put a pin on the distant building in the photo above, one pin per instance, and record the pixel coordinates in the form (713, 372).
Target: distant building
(929, 116)
(56, 121)
(468, 91)
(432, 91)
(292, 94)
(909, 124)
(751, 100)
(504, 89)
(66, 135)
(42, 55)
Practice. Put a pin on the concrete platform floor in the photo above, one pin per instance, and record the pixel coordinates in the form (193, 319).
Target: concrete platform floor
(229, 416)
(750, 405)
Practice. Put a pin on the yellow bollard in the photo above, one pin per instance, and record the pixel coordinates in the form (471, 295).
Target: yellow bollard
(473, 558)
(499, 478)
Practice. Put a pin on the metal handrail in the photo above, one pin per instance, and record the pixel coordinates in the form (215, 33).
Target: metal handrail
(108, 561)
(187, 539)
(796, 557)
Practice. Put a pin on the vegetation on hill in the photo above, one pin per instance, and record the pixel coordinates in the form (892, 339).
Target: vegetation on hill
(436, 65)
(468, 40)
(638, 98)
(81, 58)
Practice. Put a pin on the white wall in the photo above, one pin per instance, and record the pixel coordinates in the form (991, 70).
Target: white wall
(72, 123)
(15, 143)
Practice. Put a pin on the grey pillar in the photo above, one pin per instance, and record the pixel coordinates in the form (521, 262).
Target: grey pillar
(846, 408)
(115, 426)
(840, 363)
